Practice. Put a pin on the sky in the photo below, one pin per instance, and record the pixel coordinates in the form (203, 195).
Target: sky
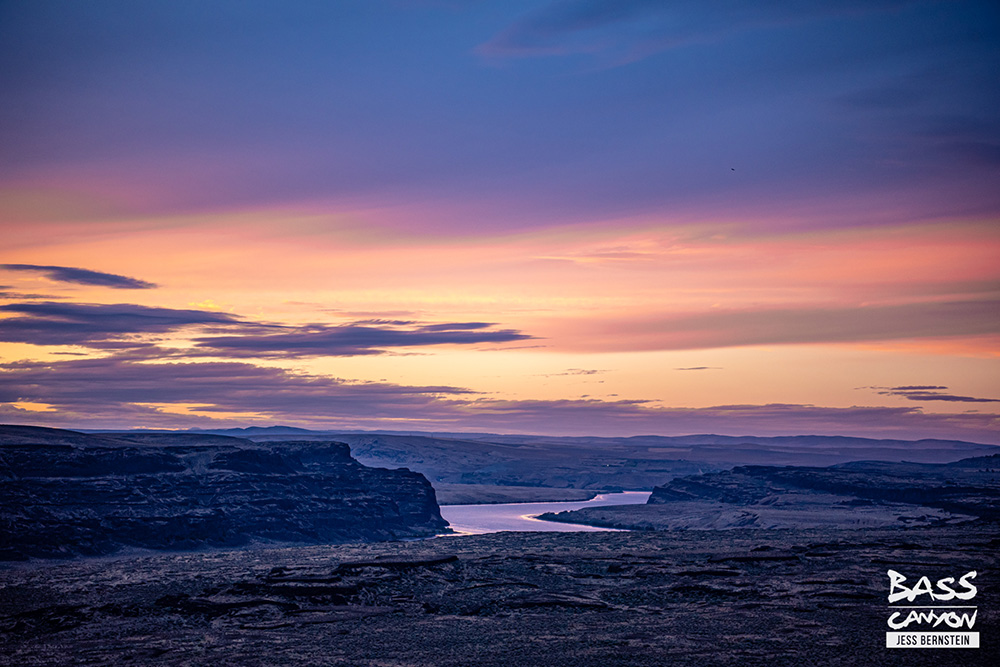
(565, 217)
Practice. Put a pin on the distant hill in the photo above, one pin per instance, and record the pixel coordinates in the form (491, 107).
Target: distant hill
(632, 463)
(259, 430)
(637, 462)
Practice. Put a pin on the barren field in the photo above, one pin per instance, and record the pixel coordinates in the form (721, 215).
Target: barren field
(743, 597)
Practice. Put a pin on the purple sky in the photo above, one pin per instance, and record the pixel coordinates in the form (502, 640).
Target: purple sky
(584, 109)
(502, 215)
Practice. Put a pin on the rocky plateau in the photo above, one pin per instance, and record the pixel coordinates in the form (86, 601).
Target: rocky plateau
(67, 494)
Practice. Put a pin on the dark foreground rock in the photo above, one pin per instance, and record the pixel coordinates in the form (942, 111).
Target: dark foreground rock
(66, 494)
(749, 597)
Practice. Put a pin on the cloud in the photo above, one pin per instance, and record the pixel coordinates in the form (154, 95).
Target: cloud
(930, 393)
(7, 294)
(455, 326)
(643, 27)
(700, 368)
(791, 325)
(49, 323)
(106, 386)
(574, 371)
(935, 396)
(82, 276)
(357, 339)
(107, 326)
(131, 389)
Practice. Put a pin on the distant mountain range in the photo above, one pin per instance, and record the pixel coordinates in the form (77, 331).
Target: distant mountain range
(638, 462)
(650, 440)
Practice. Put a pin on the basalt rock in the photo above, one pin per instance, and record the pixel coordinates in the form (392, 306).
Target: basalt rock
(969, 486)
(66, 494)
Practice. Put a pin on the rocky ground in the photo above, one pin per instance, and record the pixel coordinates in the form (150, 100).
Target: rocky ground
(747, 597)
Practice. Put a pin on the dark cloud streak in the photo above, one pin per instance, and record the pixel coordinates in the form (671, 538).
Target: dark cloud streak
(357, 339)
(68, 274)
(929, 393)
(109, 326)
(49, 323)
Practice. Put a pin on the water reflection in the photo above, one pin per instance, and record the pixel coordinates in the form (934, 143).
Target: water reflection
(478, 519)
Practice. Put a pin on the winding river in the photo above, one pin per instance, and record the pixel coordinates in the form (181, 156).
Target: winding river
(478, 519)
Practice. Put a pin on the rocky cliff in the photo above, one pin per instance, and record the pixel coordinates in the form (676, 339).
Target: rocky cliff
(970, 486)
(861, 494)
(65, 494)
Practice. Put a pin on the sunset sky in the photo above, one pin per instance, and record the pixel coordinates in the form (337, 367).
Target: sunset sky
(570, 217)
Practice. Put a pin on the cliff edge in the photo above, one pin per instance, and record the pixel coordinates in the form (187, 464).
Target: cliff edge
(65, 494)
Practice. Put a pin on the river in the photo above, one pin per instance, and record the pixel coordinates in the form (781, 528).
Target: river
(478, 519)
